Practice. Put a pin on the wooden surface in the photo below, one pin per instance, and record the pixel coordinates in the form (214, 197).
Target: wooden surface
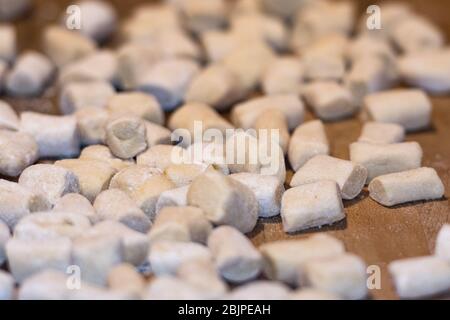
(377, 234)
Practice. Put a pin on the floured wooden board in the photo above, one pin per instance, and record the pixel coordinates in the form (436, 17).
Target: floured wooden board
(377, 234)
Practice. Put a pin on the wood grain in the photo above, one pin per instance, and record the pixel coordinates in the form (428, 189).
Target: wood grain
(378, 234)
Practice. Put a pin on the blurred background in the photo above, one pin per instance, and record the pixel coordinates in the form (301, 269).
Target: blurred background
(48, 11)
(29, 27)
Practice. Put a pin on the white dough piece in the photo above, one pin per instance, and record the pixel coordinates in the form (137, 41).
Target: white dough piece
(57, 136)
(51, 225)
(175, 43)
(410, 108)
(18, 150)
(146, 195)
(125, 278)
(168, 81)
(160, 156)
(215, 86)
(7, 286)
(90, 291)
(157, 134)
(369, 74)
(133, 62)
(191, 114)
(51, 181)
(258, 27)
(174, 197)
(380, 159)
(365, 45)
(5, 234)
(272, 127)
(200, 16)
(27, 257)
(393, 13)
(242, 153)
(96, 255)
(8, 45)
(285, 260)
(247, 6)
(224, 200)
(268, 191)
(248, 62)
(3, 72)
(183, 174)
(93, 175)
(329, 100)
(330, 45)
(323, 67)
(132, 177)
(167, 256)
(259, 290)
(98, 19)
(203, 274)
(333, 45)
(136, 104)
(64, 46)
(101, 65)
(245, 114)
(184, 223)
(235, 257)
(417, 34)
(103, 153)
(172, 288)
(17, 202)
(50, 284)
(115, 204)
(160, 28)
(382, 133)
(135, 244)
(311, 205)
(47, 284)
(76, 203)
(351, 177)
(307, 141)
(30, 74)
(420, 277)
(344, 276)
(86, 94)
(283, 76)
(126, 136)
(428, 70)
(320, 19)
(212, 153)
(91, 124)
(312, 294)
(442, 249)
(218, 44)
(407, 186)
